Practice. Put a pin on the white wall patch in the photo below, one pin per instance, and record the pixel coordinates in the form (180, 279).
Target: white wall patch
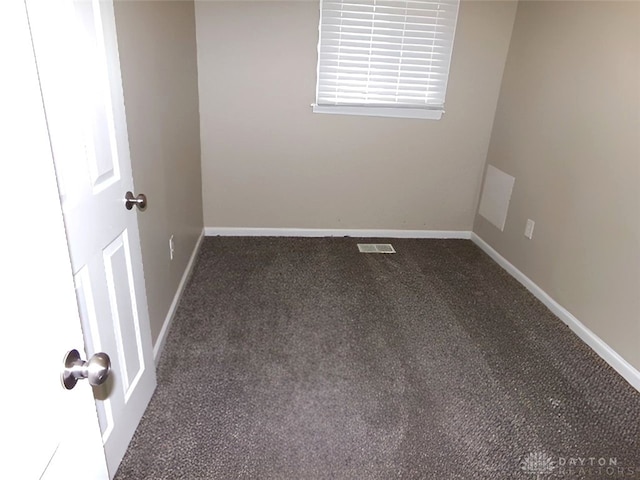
(496, 194)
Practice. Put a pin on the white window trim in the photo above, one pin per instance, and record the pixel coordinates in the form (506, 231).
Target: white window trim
(421, 113)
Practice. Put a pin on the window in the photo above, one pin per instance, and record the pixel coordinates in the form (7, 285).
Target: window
(385, 57)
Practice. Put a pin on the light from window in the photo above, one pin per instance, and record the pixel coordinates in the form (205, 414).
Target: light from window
(385, 57)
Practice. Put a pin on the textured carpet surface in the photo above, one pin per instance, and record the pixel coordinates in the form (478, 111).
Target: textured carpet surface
(304, 359)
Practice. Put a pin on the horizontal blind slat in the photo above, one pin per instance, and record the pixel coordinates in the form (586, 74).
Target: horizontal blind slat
(395, 6)
(382, 64)
(387, 29)
(369, 51)
(375, 87)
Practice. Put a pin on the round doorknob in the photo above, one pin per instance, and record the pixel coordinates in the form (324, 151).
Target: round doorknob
(139, 201)
(96, 370)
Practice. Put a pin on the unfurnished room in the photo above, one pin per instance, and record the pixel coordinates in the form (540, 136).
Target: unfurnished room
(320, 239)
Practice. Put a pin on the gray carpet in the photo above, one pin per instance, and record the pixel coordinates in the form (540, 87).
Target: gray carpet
(303, 359)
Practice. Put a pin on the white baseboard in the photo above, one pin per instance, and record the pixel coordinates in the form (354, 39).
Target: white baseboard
(162, 337)
(324, 232)
(608, 354)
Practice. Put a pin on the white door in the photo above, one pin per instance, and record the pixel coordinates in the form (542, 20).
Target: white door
(46, 432)
(77, 55)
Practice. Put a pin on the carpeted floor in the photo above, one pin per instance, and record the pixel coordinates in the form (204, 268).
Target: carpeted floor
(304, 359)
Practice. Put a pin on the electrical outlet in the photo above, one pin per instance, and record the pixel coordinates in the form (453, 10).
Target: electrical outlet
(172, 247)
(528, 231)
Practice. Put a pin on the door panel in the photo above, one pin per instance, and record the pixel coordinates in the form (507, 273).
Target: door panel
(103, 235)
(117, 260)
(89, 315)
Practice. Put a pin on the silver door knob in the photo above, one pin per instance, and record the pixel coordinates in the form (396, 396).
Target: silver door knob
(96, 370)
(130, 200)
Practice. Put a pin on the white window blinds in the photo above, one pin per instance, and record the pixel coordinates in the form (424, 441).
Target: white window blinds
(385, 57)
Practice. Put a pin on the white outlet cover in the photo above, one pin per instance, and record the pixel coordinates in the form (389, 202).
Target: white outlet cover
(496, 195)
(528, 230)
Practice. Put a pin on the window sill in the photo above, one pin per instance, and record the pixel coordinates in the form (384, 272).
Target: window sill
(380, 112)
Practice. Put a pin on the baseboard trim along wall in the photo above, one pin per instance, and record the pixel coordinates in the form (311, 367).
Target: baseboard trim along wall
(608, 354)
(162, 337)
(322, 232)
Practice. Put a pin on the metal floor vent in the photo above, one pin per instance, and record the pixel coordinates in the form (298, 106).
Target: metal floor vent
(375, 248)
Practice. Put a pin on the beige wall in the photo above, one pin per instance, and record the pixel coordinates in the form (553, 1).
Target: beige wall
(268, 161)
(157, 46)
(568, 129)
